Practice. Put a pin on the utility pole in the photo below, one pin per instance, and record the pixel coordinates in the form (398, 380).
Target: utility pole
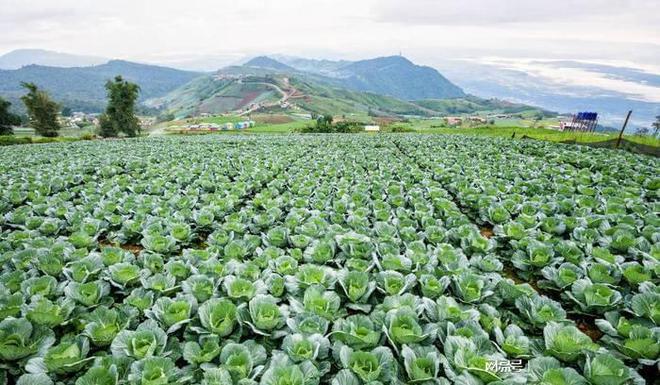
(625, 123)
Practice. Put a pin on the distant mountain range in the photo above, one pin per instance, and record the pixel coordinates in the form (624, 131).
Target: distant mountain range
(394, 79)
(567, 86)
(23, 57)
(268, 63)
(382, 86)
(82, 88)
(393, 76)
(379, 87)
(608, 89)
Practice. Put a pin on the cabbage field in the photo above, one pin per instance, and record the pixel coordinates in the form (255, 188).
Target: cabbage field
(329, 259)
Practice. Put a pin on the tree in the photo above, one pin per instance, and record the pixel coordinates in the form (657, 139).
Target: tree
(324, 122)
(7, 119)
(66, 111)
(41, 110)
(119, 115)
(656, 125)
(106, 127)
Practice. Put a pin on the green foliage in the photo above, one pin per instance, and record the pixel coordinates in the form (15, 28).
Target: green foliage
(476, 105)
(538, 134)
(6, 140)
(119, 116)
(399, 128)
(41, 110)
(327, 259)
(326, 124)
(82, 88)
(566, 342)
(7, 118)
(656, 126)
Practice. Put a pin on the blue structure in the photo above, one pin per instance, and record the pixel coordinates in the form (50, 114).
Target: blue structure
(584, 121)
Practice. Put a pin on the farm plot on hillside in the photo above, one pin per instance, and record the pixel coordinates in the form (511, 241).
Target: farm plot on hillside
(329, 259)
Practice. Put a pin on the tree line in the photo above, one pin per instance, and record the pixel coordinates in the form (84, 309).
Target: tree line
(327, 124)
(118, 118)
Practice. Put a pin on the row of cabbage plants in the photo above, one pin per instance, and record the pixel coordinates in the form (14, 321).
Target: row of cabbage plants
(581, 225)
(344, 260)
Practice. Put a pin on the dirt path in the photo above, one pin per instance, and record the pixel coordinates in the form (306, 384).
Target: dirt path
(285, 96)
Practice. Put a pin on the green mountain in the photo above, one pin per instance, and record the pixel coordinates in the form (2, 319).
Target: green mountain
(264, 85)
(277, 92)
(209, 94)
(382, 86)
(393, 76)
(398, 77)
(82, 88)
(475, 105)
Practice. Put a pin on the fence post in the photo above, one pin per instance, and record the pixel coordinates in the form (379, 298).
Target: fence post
(625, 123)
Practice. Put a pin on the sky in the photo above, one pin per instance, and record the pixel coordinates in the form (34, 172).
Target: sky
(179, 31)
(209, 34)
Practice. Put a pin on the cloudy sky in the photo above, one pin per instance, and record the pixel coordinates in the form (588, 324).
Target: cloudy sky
(174, 30)
(208, 34)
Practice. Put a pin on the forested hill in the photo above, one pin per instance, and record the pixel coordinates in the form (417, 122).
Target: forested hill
(82, 88)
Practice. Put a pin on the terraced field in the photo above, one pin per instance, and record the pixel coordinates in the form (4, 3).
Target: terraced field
(330, 259)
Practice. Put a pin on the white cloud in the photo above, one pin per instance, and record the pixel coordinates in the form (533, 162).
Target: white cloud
(569, 76)
(170, 30)
(489, 12)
